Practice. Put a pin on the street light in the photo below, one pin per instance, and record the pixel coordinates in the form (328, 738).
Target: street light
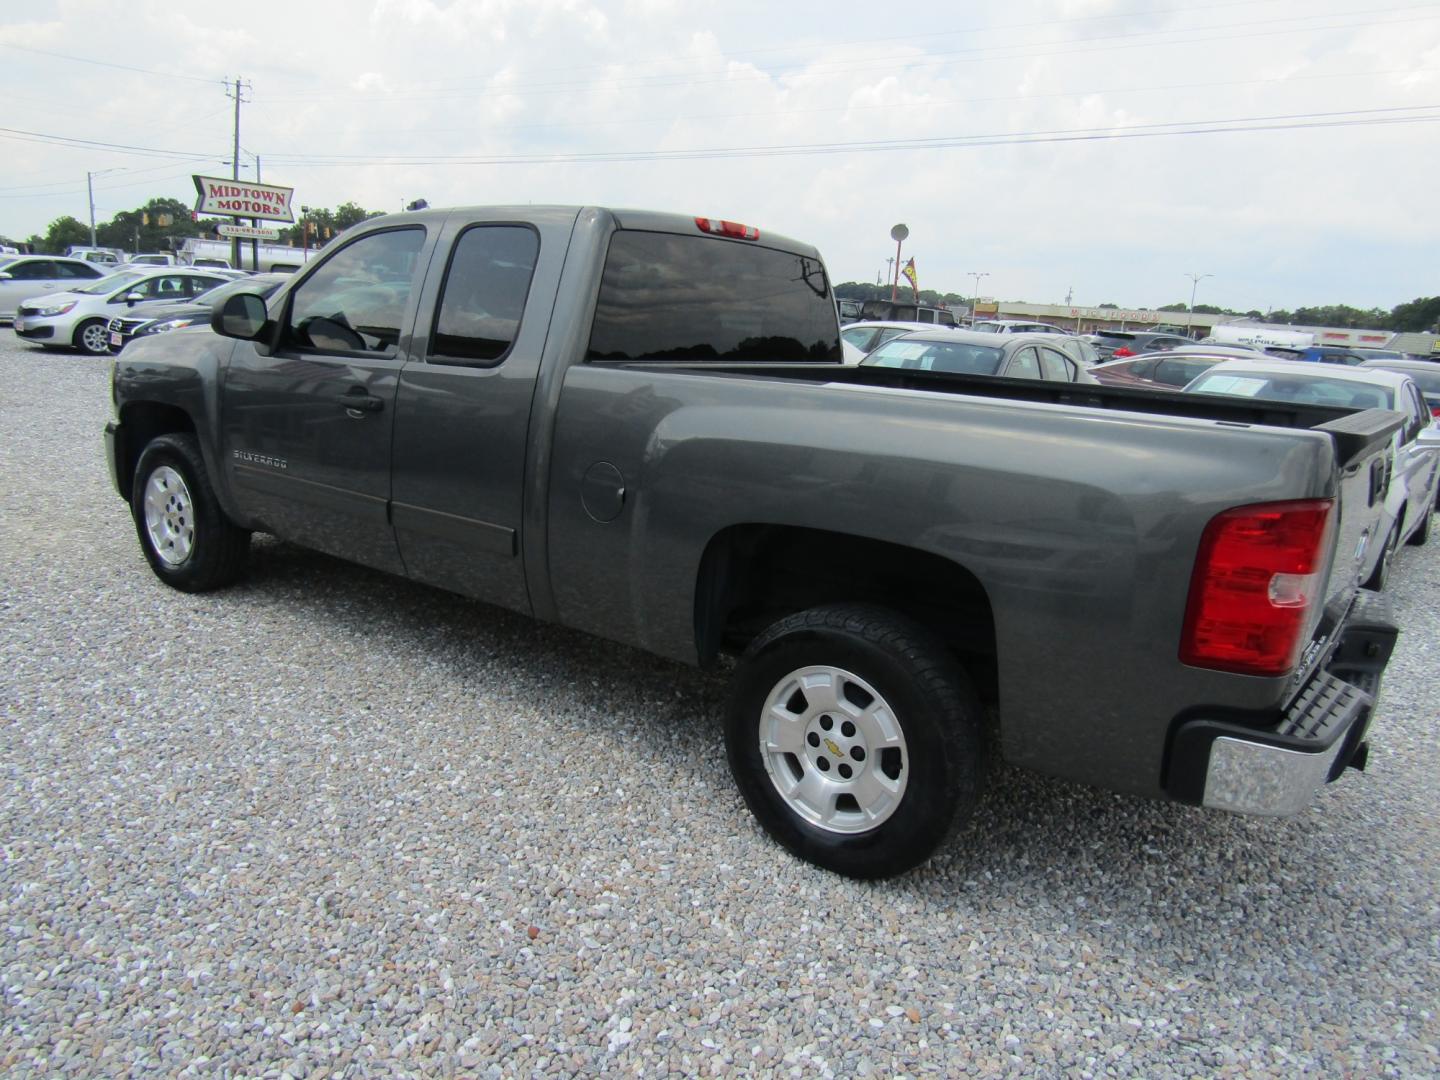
(1195, 280)
(90, 189)
(975, 297)
(898, 234)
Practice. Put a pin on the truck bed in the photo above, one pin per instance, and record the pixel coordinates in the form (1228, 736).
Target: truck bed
(1354, 433)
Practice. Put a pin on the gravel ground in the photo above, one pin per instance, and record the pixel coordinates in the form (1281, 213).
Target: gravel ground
(330, 823)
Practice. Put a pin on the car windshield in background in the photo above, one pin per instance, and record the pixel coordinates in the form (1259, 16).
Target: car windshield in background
(957, 357)
(671, 298)
(221, 293)
(1301, 390)
(109, 282)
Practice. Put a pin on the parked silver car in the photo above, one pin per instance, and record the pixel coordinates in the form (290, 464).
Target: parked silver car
(24, 276)
(77, 317)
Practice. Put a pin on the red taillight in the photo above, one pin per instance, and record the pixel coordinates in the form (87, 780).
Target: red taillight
(733, 229)
(1435, 410)
(1257, 580)
(1123, 351)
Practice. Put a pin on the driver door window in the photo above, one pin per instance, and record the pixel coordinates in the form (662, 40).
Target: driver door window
(357, 300)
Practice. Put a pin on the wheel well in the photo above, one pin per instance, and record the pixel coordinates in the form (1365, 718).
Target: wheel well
(143, 421)
(752, 575)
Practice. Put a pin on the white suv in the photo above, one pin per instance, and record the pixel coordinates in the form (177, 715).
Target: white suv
(77, 317)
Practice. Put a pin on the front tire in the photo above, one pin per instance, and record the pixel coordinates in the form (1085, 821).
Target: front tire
(855, 739)
(92, 338)
(185, 535)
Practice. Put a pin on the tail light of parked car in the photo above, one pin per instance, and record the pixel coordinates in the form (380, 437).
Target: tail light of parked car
(1256, 590)
(1122, 351)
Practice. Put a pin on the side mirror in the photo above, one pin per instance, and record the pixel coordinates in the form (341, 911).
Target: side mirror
(134, 298)
(1429, 437)
(5, 275)
(242, 316)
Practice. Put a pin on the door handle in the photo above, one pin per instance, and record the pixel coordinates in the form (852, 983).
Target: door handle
(360, 402)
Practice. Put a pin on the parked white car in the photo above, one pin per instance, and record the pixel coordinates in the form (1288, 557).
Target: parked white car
(77, 317)
(861, 338)
(1410, 491)
(1014, 326)
(24, 276)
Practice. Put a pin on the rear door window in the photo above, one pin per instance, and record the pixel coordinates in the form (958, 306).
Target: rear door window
(670, 298)
(1056, 367)
(484, 295)
(1024, 365)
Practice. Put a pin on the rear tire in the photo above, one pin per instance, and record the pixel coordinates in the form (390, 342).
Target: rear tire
(186, 537)
(92, 338)
(1420, 535)
(855, 739)
(1381, 574)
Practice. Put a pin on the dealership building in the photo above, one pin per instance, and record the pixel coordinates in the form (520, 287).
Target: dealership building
(1086, 320)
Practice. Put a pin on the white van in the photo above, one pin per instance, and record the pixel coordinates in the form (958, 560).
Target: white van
(1260, 337)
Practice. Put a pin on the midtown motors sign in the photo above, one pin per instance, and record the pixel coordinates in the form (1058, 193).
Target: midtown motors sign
(237, 198)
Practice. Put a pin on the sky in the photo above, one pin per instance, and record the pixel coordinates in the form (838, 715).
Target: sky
(1268, 153)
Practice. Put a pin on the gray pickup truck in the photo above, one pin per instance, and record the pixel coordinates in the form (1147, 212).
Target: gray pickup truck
(637, 424)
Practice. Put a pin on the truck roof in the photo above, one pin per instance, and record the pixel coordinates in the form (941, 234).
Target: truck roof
(642, 220)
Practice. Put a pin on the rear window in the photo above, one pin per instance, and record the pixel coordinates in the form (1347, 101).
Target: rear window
(936, 356)
(1303, 391)
(666, 297)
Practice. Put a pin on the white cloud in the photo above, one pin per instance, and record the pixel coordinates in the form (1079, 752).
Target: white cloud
(1120, 220)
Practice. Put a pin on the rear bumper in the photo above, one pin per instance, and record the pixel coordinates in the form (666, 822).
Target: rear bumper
(1276, 770)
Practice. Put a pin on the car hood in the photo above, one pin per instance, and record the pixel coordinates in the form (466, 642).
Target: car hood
(55, 297)
(152, 312)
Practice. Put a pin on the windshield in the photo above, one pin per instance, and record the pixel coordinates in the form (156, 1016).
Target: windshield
(1301, 389)
(958, 357)
(109, 282)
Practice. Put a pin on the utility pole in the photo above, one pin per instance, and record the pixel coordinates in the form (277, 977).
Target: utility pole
(90, 187)
(239, 95)
(1195, 280)
(90, 190)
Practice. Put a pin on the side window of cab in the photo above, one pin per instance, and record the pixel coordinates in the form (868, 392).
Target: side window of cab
(356, 300)
(486, 285)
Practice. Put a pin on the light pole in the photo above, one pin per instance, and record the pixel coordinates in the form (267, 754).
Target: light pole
(90, 190)
(975, 297)
(898, 234)
(1195, 280)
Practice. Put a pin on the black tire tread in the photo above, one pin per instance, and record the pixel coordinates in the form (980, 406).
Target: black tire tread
(222, 549)
(941, 684)
(76, 339)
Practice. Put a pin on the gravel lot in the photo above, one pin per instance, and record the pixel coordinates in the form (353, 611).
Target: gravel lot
(330, 823)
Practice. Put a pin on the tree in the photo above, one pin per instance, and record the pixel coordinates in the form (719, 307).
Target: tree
(63, 233)
(1174, 307)
(1420, 314)
(150, 227)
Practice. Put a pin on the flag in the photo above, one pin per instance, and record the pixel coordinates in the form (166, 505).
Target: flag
(909, 273)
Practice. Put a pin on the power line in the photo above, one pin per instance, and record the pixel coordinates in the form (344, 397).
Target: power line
(104, 63)
(898, 64)
(1349, 118)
